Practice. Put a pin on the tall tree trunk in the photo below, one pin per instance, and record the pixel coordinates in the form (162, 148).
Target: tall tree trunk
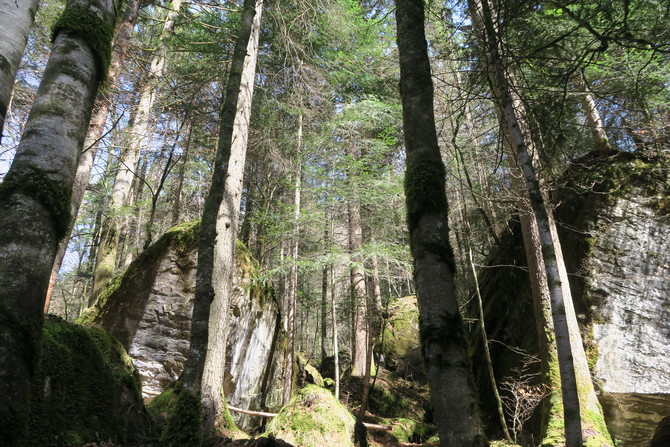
(291, 299)
(104, 269)
(358, 293)
(571, 360)
(176, 207)
(359, 329)
(35, 197)
(336, 352)
(96, 127)
(593, 118)
(444, 343)
(216, 249)
(16, 18)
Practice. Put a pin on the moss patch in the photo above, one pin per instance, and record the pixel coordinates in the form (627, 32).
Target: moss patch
(184, 421)
(314, 418)
(84, 389)
(52, 194)
(97, 33)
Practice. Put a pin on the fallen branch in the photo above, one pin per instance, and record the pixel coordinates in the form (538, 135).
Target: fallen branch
(377, 427)
(265, 414)
(252, 413)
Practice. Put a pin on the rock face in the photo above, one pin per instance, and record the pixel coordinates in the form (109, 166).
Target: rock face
(613, 223)
(149, 309)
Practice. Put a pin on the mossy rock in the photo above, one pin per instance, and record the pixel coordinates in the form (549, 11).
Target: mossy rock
(308, 373)
(400, 344)
(85, 389)
(409, 430)
(314, 418)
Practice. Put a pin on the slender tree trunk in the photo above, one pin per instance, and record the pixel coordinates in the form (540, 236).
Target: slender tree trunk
(593, 118)
(216, 262)
(291, 299)
(176, 207)
(35, 200)
(560, 299)
(359, 328)
(336, 352)
(104, 269)
(96, 128)
(444, 343)
(16, 18)
(359, 323)
(325, 283)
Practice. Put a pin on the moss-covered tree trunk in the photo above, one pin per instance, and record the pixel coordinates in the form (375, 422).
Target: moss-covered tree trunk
(16, 18)
(96, 128)
(443, 337)
(216, 248)
(545, 258)
(35, 195)
(130, 157)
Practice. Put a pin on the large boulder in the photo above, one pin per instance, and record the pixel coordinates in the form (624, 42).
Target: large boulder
(399, 347)
(85, 389)
(314, 418)
(613, 222)
(148, 308)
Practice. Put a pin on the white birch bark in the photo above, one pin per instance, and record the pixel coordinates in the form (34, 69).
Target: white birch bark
(16, 18)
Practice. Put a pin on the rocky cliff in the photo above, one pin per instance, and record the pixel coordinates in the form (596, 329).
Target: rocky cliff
(614, 221)
(148, 308)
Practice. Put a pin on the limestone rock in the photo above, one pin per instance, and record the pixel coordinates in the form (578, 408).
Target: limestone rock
(149, 310)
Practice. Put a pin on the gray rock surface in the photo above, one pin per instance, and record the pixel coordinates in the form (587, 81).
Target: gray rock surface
(150, 313)
(614, 225)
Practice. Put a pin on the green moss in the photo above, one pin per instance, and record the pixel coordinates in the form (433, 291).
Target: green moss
(82, 389)
(387, 404)
(409, 430)
(52, 194)
(184, 423)
(424, 187)
(97, 33)
(314, 418)
(26, 333)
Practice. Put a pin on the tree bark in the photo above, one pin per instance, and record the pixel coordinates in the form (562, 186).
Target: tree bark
(291, 299)
(128, 162)
(96, 128)
(444, 343)
(35, 198)
(216, 249)
(568, 341)
(16, 18)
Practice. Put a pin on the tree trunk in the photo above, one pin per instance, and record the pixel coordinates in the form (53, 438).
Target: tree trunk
(96, 127)
(16, 18)
(359, 329)
(443, 338)
(35, 198)
(104, 269)
(593, 118)
(568, 344)
(358, 293)
(216, 249)
(291, 299)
